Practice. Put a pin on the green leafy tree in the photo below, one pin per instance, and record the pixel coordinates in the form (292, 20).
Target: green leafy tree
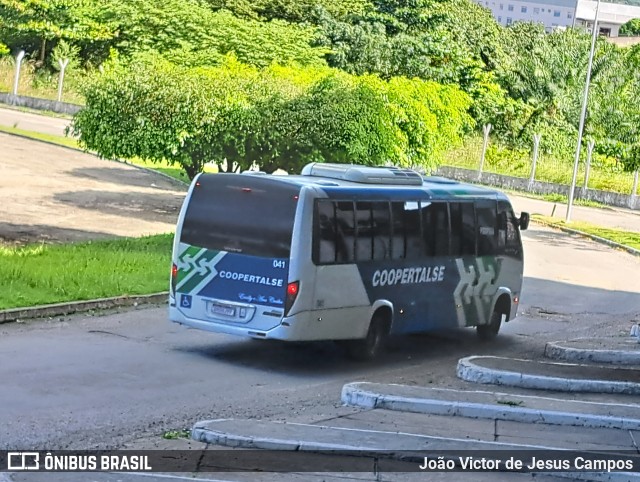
(631, 28)
(546, 73)
(33, 24)
(615, 108)
(294, 11)
(150, 110)
(238, 116)
(367, 47)
(474, 27)
(447, 41)
(191, 33)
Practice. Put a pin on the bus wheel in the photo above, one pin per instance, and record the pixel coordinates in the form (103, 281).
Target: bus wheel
(373, 344)
(490, 331)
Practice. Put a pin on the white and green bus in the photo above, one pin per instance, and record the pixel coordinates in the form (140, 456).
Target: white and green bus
(344, 252)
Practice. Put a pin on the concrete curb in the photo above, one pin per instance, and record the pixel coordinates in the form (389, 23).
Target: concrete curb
(471, 372)
(612, 244)
(411, 449)
(355, 395)
(355, 440)
(556, 351)
(60, 309)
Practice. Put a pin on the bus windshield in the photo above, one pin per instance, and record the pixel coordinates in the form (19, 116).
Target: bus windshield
(245, 214)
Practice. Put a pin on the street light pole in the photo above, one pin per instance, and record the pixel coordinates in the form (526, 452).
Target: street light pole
(583, 114)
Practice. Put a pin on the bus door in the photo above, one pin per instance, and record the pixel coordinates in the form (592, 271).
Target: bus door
(488, 262)
(471, 291)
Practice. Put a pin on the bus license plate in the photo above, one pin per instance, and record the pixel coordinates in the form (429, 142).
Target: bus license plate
(223, 310)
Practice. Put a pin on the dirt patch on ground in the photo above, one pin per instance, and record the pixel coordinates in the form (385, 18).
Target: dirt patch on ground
(54, 194)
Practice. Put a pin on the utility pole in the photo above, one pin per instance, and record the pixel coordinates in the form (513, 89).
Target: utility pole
(583, 114)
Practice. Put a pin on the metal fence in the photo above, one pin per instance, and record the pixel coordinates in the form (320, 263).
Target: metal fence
(599, 179)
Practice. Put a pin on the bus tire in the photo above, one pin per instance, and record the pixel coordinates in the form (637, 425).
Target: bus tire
(490, 331)
(373, 344)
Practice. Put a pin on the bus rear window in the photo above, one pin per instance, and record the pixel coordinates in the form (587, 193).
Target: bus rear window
(242, 214)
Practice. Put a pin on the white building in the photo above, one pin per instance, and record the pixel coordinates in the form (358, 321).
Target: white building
(562, 13)
(611, 16)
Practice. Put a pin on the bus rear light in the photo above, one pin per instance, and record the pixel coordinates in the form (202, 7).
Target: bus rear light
(292, 293)
(292, 289)
(174, 276)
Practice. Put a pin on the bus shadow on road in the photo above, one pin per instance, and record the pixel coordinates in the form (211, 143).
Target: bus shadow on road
(329, 358)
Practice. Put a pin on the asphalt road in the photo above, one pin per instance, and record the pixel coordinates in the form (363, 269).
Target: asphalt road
(107, 381)
(33, 122)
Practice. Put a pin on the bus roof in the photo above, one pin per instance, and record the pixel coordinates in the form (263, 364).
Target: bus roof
(431, 187)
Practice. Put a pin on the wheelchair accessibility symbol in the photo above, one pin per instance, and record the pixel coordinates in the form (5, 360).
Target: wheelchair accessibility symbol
(185, 301)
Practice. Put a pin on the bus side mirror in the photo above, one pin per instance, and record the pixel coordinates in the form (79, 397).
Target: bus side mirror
(524, 221)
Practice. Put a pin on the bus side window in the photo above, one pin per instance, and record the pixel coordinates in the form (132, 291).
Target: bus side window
(435, 224)
(502, 231)
(398, 238)
(486, 212)
(381, 230)
(364, 236)
(407, 241)
(508, 233)
(325, 243)
(345, 232)
(463, 229)
(413, 232)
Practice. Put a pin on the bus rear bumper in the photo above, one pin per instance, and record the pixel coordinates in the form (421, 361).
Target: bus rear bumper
(304, 326)
(176, 316)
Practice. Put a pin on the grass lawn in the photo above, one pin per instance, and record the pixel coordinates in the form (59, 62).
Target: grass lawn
(52, 273)
(628, 238)
(59, 140)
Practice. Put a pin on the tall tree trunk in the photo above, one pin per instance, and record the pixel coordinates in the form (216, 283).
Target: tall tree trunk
(43, 49)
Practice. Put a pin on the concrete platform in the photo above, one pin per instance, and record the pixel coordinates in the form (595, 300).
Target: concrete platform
(492, 405)
(549, 376)
(367, 449)
(623, 351)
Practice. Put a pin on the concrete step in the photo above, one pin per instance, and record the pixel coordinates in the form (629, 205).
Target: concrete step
(564, 377)
(522, 434)
(623, 351)
(365, 449)
(492, 405)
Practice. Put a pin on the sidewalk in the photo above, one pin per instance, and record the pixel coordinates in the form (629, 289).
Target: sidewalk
(614, 218)
(401, 424)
